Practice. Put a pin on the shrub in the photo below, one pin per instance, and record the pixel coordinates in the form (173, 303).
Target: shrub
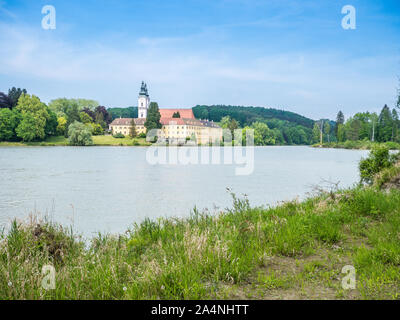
(135, 142)
(79, 134)
(392, 145)
(118, 136)
(142, 135)
(97, 129)
(378, 159)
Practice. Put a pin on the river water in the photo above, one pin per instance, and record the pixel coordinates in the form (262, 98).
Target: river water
(107, 189)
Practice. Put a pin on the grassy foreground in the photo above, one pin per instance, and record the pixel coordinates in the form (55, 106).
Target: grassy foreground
(296, 250)
(97, 140)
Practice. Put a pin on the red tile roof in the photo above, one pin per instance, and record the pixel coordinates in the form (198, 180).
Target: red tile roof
(185, 113)
(172, 121)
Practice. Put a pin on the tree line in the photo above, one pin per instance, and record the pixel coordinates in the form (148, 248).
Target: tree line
(380, 127)
(24, 117)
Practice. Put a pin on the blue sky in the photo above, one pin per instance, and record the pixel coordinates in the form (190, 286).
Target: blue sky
(286, 54)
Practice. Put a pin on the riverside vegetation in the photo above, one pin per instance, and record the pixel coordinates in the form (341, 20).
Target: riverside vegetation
(294, 250)
(25, 119)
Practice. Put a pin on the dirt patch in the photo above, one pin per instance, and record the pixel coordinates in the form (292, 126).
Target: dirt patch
(315, 277)
(48, 241)
(394, 183)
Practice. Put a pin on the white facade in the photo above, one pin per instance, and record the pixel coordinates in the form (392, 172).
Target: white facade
(143, 102)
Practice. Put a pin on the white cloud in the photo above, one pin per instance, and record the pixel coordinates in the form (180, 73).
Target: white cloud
(314, 84)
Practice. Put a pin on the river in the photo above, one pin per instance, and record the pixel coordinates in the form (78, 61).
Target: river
(107, 189)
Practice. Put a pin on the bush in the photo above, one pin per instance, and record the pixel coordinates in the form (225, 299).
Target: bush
(378, 159)
(118, 136)
(79, 135)
(97, 129)
(142, 135)
(392, 145)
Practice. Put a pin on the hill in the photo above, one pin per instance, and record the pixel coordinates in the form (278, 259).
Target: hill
(247, 115)
(130, 112)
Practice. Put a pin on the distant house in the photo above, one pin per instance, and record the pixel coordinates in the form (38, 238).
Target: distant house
(123, 125)
(174, 130)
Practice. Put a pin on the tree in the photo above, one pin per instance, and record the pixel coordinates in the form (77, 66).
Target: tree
(61, 105)
(72, 114)
(9, 120)
(90, 113)
(395, 126)
(262, 134)
(339, 121)
(385, 125)
(316, 133)
(86, 104)
(61, 126)
(79, 134)
(51, 123)
(176, 115)
(327, 130)
(233, 125)
(365, 122)
(5, 101)
(225, 121)
(14, 95)
(374, 122)
(34, 117)
(85, 117)
(100, 119)
(352, 128)
(341, 134)
(102, 116)
(153, 117)
(132, 129)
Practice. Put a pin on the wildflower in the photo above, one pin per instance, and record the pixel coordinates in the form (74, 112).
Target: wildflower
(9, 283)
(124, 288)
(162, 287)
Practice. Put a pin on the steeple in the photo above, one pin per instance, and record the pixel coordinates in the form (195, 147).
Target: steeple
(143, 90)
(143, 101)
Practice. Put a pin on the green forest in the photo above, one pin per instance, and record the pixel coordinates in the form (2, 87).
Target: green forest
(279, 127)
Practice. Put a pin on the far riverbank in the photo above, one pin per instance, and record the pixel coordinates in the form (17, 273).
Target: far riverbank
(357, 145)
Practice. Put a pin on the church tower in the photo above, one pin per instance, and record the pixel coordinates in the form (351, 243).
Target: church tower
(143, 101)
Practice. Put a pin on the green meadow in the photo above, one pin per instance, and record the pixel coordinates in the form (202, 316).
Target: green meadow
(101, 140)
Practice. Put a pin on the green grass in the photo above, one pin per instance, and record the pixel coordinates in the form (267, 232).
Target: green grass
(98, 141)
(387, 175)
(295, 250)
(50, 141)
(111, 141)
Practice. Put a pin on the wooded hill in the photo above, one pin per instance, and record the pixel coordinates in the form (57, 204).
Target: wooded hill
(247, 115)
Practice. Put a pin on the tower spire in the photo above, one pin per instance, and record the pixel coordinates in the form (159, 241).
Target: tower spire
(143, 101)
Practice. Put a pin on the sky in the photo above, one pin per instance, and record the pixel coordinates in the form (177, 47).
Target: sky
(285, 54)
